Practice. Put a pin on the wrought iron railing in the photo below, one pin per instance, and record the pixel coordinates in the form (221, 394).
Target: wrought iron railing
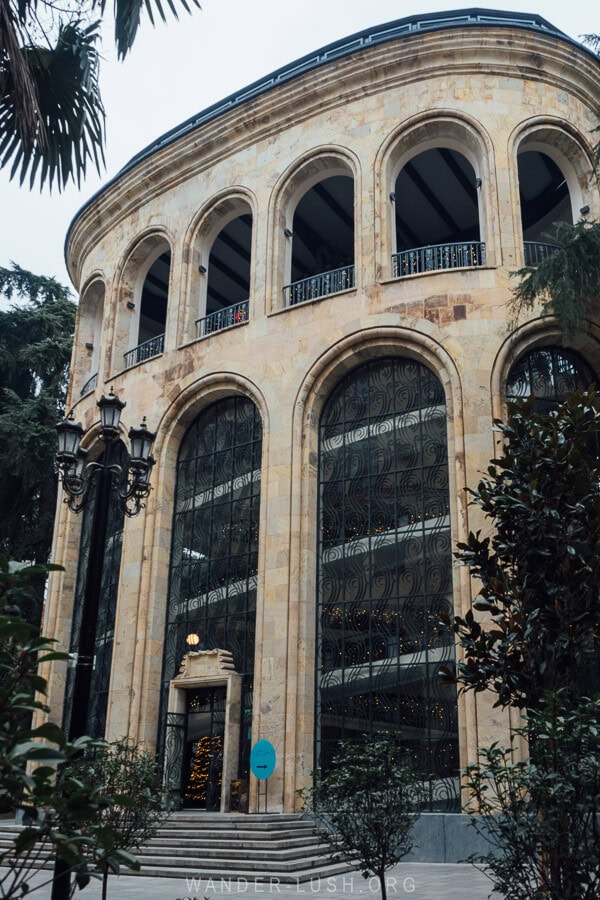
(224, 318)
(89, 385)
(535, 252)
(438, 256)
(319, 285)
(146, 350)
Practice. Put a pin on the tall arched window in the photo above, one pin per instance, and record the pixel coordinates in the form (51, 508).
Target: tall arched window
(385, 574)
(92, 631)
(547, 374)
(212, 589)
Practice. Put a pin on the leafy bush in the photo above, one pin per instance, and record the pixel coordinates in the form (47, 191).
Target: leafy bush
(368, 802)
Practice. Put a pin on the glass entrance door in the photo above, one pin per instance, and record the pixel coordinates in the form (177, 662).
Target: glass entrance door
(203, 755)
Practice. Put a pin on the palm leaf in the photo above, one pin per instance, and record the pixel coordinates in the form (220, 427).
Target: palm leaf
(69, 130)
(128, 15)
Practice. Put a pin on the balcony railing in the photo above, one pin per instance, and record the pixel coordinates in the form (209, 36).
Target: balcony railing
(438, 256)
(144, 351)
(319, 285)
(90, 385)
(224, 318)
(535, 252)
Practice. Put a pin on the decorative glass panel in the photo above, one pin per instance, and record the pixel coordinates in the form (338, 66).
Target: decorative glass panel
(110, 561)
(214, 555)
(548, 373)
(385, 573)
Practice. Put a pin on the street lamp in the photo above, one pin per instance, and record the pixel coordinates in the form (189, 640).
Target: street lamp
(77, 473)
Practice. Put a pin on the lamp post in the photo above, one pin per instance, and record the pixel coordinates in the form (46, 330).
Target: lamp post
(114, 476)
(77, 474)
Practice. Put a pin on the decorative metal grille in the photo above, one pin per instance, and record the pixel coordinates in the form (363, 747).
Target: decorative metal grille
(214, 556)
(103, 643)
(385, 570)
(547, 374)
(437, 256)
(321, 285)
(152, 347)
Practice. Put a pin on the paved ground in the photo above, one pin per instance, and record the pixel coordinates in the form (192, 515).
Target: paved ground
(421, 881)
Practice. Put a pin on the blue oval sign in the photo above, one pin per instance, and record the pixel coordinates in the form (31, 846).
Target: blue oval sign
(262, 759)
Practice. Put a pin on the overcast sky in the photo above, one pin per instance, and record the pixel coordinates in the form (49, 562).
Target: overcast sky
(175, 70)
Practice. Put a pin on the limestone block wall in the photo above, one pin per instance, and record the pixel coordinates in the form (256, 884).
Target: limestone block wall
(486, 92)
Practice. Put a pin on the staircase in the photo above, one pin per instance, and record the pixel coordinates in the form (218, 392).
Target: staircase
(264, 847)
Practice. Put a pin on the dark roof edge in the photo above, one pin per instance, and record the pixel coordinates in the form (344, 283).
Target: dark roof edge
(379, 34)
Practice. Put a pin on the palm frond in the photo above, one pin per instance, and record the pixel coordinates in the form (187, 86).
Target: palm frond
(14, 71)
(69, 129)
(128, 15)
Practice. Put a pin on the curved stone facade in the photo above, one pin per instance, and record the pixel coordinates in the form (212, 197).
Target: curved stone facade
(422, 128)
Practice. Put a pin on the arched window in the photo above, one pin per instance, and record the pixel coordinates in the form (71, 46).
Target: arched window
(547, 374)
(97, 585)
(212, 585)
(385, 569)
(322, 260)
(545, 200)
(228, 280)
(91, 314)
(436, 214)
(145, 287)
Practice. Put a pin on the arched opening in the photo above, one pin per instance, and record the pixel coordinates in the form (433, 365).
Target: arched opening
(228, 277)
(322, 236)
(548, 374)
(143, 295)
(91, 315)
(211, 608)
(385, 570)
(436, 214)
(545, 200)
(94, 608)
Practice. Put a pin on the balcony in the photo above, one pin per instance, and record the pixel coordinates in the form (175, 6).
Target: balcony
(145, 351)
(319, 286)
(536, 252)
(90, 385)
(438, 257)
(224, 318)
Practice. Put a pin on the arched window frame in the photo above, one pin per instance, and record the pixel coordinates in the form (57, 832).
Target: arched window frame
(449, 794)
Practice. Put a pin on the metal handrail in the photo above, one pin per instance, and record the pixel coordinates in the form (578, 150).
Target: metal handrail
(320, 285)
(89, 385)
(223, 318)
(436, 257)
(145, 350)
(535, 251)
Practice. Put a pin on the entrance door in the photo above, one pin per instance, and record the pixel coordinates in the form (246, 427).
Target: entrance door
(203, 756)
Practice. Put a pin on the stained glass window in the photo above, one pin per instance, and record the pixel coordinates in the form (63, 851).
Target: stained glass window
(385, 572)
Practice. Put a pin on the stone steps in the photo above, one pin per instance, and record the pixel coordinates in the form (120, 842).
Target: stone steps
(265, 847)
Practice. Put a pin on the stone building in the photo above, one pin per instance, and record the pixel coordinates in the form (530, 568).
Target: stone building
(304, 289)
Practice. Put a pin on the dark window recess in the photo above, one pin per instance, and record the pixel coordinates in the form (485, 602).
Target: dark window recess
(229, 266)
(544, 197)
(436, 201)
(323, 228)
(155, 293)
(385, 570)
(96, 589)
